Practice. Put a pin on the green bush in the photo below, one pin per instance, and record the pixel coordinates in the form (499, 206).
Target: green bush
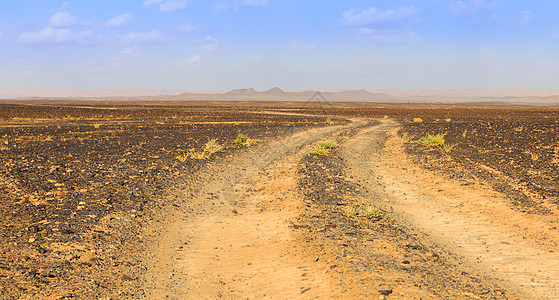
(435, 141)
(323, 148)
(349, 212)
(212, 146)
(370, 212)
(328, 144)
(241, 139)
(432, 140)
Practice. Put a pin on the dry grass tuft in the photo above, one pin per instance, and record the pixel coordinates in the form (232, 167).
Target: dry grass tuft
(182, 157)
(212, 146)
(349, 212)
(328, 144)
(368, 212)
(533, 155)
(323, 148)
(198, 154)
(242, 139)
(436, 141)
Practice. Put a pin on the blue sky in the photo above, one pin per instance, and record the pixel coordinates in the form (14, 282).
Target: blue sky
(293, 44)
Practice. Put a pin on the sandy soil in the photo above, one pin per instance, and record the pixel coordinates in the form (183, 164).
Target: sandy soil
(236, 239)
(471, 221)
(265, 221)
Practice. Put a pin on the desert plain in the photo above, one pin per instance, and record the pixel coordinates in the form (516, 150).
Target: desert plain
(125, 200)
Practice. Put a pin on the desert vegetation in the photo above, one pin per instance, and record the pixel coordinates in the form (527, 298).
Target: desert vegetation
(242, 139)
(435, 141)
(81, 185)
(368, 211)
(323, 148)
(78, 186)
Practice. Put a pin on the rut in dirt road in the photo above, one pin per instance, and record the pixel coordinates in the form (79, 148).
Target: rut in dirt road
(472, 222)
(235, 240)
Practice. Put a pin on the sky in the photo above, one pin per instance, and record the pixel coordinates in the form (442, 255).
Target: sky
(292, 44)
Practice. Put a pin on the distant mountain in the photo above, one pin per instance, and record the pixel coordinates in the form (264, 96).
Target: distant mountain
(242, 93)
(520, 97)
(357, 95)
(252, 93)
(275, 92)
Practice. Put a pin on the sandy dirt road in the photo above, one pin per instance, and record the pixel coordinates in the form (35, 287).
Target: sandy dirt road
(472, 221)
(233, 239)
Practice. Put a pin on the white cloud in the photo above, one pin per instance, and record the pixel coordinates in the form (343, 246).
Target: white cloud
(255, 3)
(65, 5)
(51, 35)
(294, 45)
(152, 37)
(236, 4)
(133, 50)
(168, 5)
(62, 19)
(208, 44)
(469, 7)
(355, 17)
(153, 2)
(390, 26)
(487, 52)
(522, 19)
(119, 21)
(525, 18)
(388, 36)
(187, 27)
(194, 59)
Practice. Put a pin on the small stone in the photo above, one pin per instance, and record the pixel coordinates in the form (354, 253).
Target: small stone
(126, 277)
(385, 292)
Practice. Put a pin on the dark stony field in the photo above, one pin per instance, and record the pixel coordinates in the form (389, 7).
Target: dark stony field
(78, 185)
(81, 184)
(515, 151)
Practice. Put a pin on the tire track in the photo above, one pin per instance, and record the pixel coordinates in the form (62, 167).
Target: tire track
(472, 222)
(234, 240)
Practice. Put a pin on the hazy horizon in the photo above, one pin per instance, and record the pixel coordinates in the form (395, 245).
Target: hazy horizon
(15, 93)
(189, 45)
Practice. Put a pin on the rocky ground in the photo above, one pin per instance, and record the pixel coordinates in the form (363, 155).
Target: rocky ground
(381, 255)
(79, 186)
(517, 155)
(90, 194)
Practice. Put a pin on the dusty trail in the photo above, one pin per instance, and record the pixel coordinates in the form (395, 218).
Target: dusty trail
(470, 221)
(235, 240)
